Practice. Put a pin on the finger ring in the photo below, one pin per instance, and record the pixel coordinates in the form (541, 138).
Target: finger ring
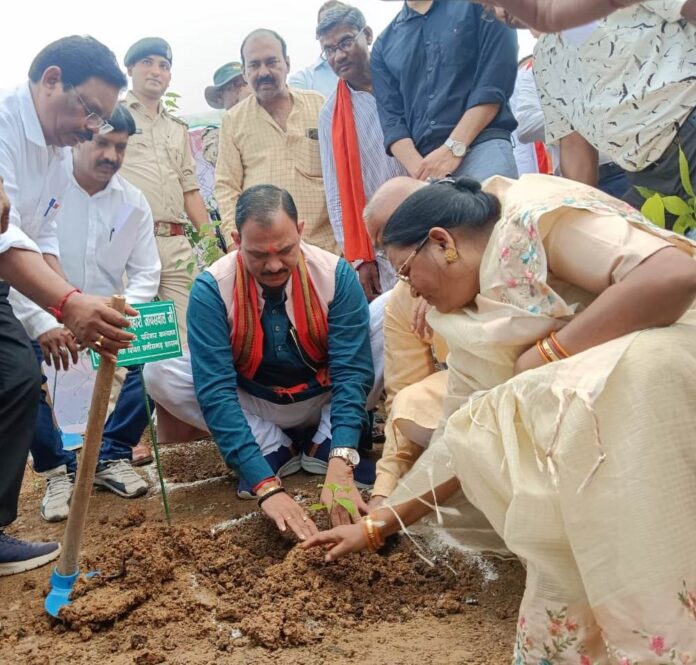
(305, 518)
(99, 341)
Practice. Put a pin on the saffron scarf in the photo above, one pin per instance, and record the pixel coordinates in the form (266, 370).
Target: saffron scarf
(346, 150)
(311, 323)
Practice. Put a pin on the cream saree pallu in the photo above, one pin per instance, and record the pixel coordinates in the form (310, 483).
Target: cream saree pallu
(585, 467)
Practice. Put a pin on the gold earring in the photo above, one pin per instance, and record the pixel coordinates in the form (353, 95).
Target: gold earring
(451, 254)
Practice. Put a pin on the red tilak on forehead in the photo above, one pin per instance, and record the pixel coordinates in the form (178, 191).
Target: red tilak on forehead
(270, 249)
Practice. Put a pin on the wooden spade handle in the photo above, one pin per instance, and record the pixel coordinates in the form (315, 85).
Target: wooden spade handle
(79, 504)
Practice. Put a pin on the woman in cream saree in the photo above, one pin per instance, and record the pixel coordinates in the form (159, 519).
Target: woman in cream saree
(585, 465)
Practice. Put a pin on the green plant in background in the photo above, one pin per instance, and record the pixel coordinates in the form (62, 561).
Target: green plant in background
(657, 205)
(342, 501)
(206, 242)
(170, 101)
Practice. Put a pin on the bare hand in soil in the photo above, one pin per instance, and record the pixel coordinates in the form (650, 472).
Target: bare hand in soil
(339, 473)
(286, 512)
(339, 541)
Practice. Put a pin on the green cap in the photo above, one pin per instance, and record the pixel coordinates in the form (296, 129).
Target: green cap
(221, 77)
(148, 46)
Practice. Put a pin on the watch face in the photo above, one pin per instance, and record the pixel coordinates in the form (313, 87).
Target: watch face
(349, 455)
(459, 150)
(353, 456)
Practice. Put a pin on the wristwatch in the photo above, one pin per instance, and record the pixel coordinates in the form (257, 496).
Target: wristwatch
(457, 148)
(349, 455)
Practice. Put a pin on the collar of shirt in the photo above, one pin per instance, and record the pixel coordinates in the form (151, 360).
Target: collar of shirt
(134, 103)
(31, 122)
(408, 14)
(114, 183)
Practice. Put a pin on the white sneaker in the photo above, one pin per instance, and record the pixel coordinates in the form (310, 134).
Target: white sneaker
(119, 477)
(55, 504)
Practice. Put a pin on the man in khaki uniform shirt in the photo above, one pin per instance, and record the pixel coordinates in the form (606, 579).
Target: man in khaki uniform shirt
(159, 163)
(272, 138)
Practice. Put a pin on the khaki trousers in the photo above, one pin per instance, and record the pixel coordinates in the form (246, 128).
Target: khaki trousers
(175, 281)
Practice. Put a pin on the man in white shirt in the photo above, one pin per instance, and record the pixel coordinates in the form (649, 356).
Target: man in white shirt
(73, 83)
(105, 232)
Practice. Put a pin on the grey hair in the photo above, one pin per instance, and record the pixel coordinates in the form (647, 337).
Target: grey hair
(340, 15)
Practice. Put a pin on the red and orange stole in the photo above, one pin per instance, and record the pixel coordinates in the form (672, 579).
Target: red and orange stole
(311, 322)
(346, 150)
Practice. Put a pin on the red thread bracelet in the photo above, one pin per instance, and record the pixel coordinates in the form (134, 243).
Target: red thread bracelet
(58, 311)
(256, 488)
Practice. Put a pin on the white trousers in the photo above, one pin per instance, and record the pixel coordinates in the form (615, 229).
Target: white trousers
(170, 383)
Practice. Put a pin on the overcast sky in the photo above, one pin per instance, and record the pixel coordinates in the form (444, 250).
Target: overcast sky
(203, 35)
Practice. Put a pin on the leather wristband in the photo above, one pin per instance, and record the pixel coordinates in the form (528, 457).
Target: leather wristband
(270, 493)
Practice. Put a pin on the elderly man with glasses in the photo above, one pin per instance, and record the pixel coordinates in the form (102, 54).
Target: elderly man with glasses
(73, 85)
(354, 163)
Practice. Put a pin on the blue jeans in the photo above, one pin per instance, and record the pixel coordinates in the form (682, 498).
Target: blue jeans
(492, 157)
(613, 180)
(122, 431)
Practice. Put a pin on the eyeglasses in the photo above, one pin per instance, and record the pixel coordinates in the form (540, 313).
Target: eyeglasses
(94, 122)
(344, 46)
(401, 272)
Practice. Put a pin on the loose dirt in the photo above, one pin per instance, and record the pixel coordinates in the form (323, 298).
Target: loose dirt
(222, 585)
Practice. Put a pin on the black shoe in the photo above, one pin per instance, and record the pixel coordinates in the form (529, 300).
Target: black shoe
(17, 556)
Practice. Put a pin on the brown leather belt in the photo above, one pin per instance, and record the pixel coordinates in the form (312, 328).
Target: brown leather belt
(169, 229)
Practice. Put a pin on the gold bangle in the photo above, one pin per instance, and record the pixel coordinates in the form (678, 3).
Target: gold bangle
(368, 536)
(546, 358)
(375, 535)
(268, 486)
(548, 349)
(560, 349)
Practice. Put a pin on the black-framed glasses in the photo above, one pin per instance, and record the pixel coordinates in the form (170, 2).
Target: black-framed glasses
(401, 272)
(344, 46)
(94, 122)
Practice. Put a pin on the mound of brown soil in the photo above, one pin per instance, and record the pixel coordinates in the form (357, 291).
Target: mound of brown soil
(190, 462)
(248, 583)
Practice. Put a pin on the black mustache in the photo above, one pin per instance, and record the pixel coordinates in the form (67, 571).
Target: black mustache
(265, 79)
(275, 274)
(106, 162)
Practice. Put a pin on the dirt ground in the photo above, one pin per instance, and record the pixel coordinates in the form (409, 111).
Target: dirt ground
(221, 585)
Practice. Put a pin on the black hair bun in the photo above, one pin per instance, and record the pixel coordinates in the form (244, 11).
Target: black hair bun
(465, 184)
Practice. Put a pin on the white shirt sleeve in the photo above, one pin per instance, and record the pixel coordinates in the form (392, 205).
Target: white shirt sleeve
(528, 111)
(143, 267)
(14, 236)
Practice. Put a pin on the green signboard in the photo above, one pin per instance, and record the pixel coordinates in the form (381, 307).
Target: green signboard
(156, 335)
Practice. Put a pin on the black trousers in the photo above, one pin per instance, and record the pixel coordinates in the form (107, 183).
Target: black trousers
(20, 385)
